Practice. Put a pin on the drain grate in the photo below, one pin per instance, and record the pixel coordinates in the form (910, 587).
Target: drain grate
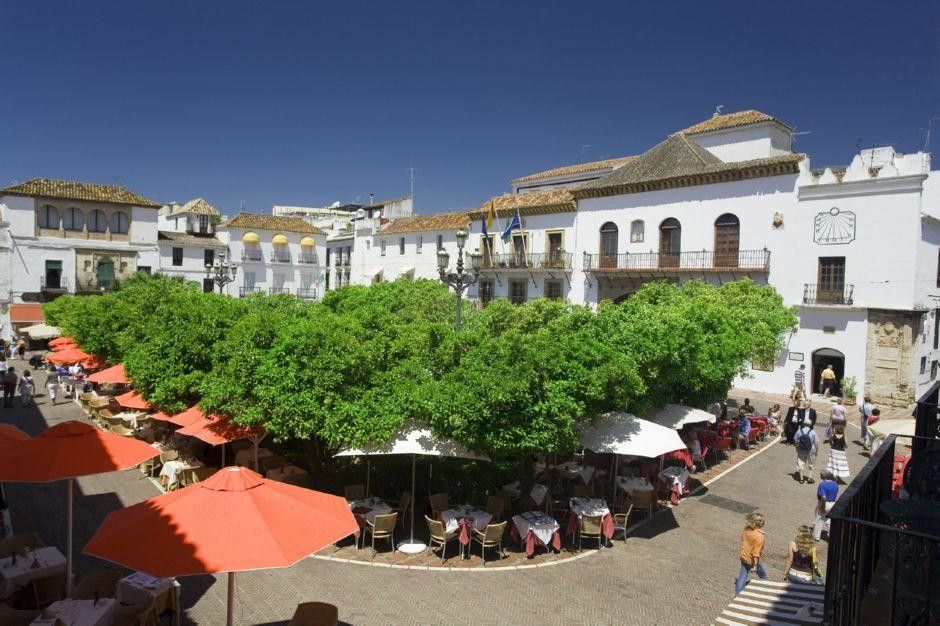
(728, 505)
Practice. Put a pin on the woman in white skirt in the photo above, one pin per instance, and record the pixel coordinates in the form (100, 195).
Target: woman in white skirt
(838, 465)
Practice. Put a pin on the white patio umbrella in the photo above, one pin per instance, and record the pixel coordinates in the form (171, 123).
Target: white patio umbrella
(619, 433)
(41, 331)
(416, 441)
(676, 416)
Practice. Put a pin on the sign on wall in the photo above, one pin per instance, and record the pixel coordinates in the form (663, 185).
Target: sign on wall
(834, 227)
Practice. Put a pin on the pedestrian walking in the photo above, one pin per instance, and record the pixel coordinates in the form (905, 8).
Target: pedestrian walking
(874, 419)
(837, 464)
(828, 381)
(10, 379)
(802, 564)
(752, 546)
(826, 495)
(807, 444)
(27, 388)
(3, 364)
(21, 348)
(798, 414)
(864, 412)
(799, 376)
(836, 417)
(52, 382)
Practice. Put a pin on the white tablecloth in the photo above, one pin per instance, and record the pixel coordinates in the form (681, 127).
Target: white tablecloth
(173, 470)
(541, 525)
(451, 516)
(628, 484)
(571, 469)
(513, 489)
(83, 612)
(675, 476)
(538, 493)
(284, 471)
(141, 588)
(375, 506)
(246, 458)
(589, 506)
(130, 417)
(15, 576)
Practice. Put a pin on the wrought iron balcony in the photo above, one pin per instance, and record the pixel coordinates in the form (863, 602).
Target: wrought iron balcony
(278, 290)
(833, 295)
(698, 261)
(282, 256)
(244, 292)
(252, 255)
(527, 261)
(93, 285)
(309, 258)
(53, 283)
(307, 294)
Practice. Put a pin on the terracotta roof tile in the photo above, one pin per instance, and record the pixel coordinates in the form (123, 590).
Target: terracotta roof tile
(186, 239)
(272, 222)
(578, 168)
(730, 120)
(70, 190)
(196, 207)
(421, 223)
(531, 203)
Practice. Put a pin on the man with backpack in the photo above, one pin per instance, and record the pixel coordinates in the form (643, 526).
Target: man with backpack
(807, 444)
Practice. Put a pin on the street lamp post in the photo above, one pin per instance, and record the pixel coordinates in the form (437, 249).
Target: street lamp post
(221, 272)
(459, 280)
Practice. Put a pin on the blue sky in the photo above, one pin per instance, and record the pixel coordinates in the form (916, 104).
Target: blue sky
(308, 103)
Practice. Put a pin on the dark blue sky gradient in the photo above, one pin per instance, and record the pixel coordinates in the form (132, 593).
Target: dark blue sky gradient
(306, 103)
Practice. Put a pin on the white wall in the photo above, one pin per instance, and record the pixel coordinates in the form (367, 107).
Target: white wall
(266, 272)
(757, 141)
(367, 255)
(20, 212)
(143, 226)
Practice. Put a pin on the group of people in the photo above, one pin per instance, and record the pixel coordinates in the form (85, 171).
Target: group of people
(802, 563)
(26, 383)
(12, 349)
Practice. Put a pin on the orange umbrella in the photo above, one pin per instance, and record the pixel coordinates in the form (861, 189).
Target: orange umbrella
(187, 417)
(68, 356)
(231, 522)
(61, 340)
(113, 374)
(68, 450)
(10, 437)
(132, 400)
(160, 416)
(93, 363)
(216, 431)
(68, 345)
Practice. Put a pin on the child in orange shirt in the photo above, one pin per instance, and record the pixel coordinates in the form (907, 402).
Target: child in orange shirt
(752, 544)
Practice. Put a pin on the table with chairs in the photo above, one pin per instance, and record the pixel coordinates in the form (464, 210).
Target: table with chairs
(589, 518)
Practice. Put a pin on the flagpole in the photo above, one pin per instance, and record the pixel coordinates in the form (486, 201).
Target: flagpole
(499, 223)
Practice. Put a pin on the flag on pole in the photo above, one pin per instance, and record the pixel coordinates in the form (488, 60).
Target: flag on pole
(488, 219)
(514, 224)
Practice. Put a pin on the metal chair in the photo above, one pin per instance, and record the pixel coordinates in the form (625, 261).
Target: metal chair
(592, 527)
(622, 518)
(355, 492)
(492, 537)
(315, 614)
(642, 502)
(97, 584)
(438, 536)
(382, 528)
(495, 507)
(404, 503)
(439, 504)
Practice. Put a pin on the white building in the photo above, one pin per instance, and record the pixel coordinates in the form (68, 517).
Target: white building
(274, 255)
(70, 237)
(188, 242)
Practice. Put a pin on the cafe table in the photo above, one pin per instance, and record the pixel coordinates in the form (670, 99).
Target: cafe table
(675, 478)
(572, 470)
(366, 509)
(590, 506)
(172, 470)
(462, 517)
(38, 563)
(141, 588)
(98, 612)
(535, 528)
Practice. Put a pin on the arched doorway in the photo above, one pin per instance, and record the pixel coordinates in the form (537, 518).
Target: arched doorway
(670, 242)
(727, 240)
(608, 247)
(822, 358)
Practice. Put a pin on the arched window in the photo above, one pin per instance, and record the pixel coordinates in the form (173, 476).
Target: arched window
(637, 231)
(97, 221)
(119, 223)
(74, 219)
(670, 242)
(49, 217)
(608, 247)
(727, 240)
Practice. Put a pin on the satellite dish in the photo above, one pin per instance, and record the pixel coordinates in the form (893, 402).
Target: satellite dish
(360, 214)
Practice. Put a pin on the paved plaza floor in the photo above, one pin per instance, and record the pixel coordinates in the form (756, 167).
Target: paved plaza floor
(677, 569)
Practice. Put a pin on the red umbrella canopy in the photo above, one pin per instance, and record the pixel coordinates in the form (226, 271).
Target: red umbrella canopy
(217, 430)
(187, 417)
(233, 521)
(132, 400)
(114, 374)
(58, 341)
(66, 345)
(93, 363)
(10, 437)
(71, 449)
(68, 356)
(160, 416)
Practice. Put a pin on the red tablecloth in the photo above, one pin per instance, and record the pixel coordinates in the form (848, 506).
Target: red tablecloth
(707, 439)
(607, 524)
(531, 541)
(465, 524)
(679, 455)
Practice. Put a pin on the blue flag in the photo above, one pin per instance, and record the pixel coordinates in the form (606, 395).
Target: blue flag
(514, 224)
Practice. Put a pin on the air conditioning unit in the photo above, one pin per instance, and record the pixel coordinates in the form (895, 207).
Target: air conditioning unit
(359, 215)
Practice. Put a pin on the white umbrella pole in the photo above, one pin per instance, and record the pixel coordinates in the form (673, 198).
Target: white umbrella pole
(68, 541)
(411, 546)
(230, 605)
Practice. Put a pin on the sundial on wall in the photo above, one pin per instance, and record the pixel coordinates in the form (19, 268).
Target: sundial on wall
(834, 227)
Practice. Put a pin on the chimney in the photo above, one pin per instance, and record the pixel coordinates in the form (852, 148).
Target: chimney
(371, 198)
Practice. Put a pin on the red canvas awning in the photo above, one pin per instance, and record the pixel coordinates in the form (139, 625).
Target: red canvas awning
(27, 312)
(114, 374)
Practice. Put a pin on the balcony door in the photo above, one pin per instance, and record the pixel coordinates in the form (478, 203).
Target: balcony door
(488, 250)
(670, 242)
(53, 275)
(831, 281)
(554, 248)
(727, 240)
(608, 247)
(105, 274)
(520, 244)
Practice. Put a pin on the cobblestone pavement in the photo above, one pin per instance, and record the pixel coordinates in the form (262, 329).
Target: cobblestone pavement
(678, 569)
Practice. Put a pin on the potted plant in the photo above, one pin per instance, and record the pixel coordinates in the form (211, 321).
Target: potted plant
(848, 384)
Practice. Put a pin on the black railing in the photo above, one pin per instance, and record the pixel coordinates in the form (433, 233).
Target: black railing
(93, 284)
(244, 292)
(819, 294)
(280, 257)
(309, 258)
(868, 549)
(252, 255)
(530, 260)
(278, 290)
(307, 294)
(700, 261)
(53, 283)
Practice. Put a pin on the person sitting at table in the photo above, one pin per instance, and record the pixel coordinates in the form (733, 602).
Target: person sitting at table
(746, 408)
(744, 430)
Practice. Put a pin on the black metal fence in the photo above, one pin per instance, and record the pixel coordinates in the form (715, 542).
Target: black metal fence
(530, 260)
(701, 260)
(820, 294)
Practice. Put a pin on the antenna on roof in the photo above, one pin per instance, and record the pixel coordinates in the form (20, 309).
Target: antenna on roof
(411, 175)
(583, 148)
(793, 135)
(718, 110)
(930, 122)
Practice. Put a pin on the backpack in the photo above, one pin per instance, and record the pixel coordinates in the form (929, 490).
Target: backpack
(804, 442)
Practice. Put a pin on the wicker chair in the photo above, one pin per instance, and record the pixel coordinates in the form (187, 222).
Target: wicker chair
(100, 584)
(17, 543)
(119, 429)
(642, 502)
(404, 503)
(439, 504)
(136, 615)
(315, 614)
(492, 537)
(355, 492)
(622, 518)
(43, 591)
(382, 528)
(495, 506)
(13, 617)
(592, 527)
(438, 536)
